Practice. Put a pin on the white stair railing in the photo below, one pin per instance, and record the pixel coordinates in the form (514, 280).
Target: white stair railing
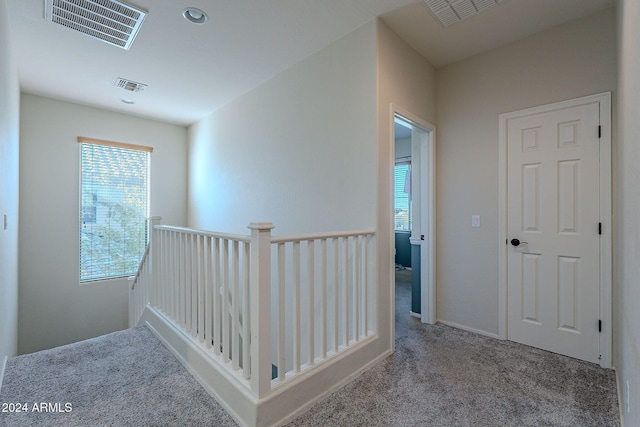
(202, 285)
(325, 297)
(259, 304)
(141, 282)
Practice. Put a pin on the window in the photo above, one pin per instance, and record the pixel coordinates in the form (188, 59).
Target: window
(402, 196)
(114, 206)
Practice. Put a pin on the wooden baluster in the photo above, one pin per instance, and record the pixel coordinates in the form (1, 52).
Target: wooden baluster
(323, 324)
(200, 266)
(281, 312)
(235, 305)
(336, 298)
(356, 290)
(296, 306)
(246, 313)
(217, 283)
(224, 295)
(311, 283)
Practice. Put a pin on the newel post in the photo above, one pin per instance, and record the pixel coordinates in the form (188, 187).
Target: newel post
(260, 294)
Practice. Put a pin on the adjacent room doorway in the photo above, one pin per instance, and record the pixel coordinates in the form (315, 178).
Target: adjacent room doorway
(414, 209)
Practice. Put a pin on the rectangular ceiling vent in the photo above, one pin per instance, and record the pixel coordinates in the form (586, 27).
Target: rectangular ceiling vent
(129, 85)
(110, 21)
(449, 12)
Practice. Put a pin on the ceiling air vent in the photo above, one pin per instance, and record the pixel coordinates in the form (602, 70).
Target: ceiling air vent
(111, 21)
(129, 85)
(449, 12)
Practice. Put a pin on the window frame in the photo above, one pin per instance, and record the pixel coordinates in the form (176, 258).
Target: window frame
(82, 209)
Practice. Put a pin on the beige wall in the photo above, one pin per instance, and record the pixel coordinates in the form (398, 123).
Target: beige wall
(569, 61)
(406, 80)
(9, 125)
(55, 309)
(628, 211)
(298, 151)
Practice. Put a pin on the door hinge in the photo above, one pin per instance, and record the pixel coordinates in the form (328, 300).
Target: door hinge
(599, 325)
(599, 228)
(599, 131)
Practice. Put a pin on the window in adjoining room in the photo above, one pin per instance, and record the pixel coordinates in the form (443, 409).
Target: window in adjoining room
(114, 207)
(402, 196)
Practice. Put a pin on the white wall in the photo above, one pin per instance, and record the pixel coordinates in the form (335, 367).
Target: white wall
(628, 210)
(298, 151)
(9, 125)
(55, 308)
(573, 60)
(406, 80)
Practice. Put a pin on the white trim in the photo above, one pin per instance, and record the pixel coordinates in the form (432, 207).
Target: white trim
(604, 100)
(2, 368)
(620, 405)
(285, 401)
(345, 380)
(236, 400)
(427, 211)
(468, 329)
(606, 239)
(321, 236)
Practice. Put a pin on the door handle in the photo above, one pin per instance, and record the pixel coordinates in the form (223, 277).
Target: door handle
(517, 242)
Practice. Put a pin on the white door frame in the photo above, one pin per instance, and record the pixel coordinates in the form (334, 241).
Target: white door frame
(427, 210)
(605, 215)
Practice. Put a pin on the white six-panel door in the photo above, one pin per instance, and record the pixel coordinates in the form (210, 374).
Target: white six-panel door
(553, 209)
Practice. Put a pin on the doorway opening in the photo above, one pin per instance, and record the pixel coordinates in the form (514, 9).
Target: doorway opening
(413, 212)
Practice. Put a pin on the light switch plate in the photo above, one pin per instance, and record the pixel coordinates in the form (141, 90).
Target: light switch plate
(475, 221)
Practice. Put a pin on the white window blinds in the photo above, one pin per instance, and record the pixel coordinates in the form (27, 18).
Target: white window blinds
(402, 196)
(114, 206)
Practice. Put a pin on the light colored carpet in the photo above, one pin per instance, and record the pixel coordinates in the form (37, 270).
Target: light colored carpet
(442, 376)
(438, 376)
(127, 378)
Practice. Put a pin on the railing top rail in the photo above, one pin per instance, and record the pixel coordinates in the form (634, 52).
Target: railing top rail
(274, 239)
(321, 236)
(144, 259)
(185, 230)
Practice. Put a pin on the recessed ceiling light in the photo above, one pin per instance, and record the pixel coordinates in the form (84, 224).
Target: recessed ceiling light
(128, 101)
(195, 15)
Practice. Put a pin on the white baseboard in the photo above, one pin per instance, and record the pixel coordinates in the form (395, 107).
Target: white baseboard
(287, 400)
(3, 365)
(320, 397)
(418, 315)
(469, 329)
(237, 401)
(619, 391)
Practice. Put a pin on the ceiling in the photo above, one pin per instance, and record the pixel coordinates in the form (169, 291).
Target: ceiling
(509, 21)
(192, 70)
